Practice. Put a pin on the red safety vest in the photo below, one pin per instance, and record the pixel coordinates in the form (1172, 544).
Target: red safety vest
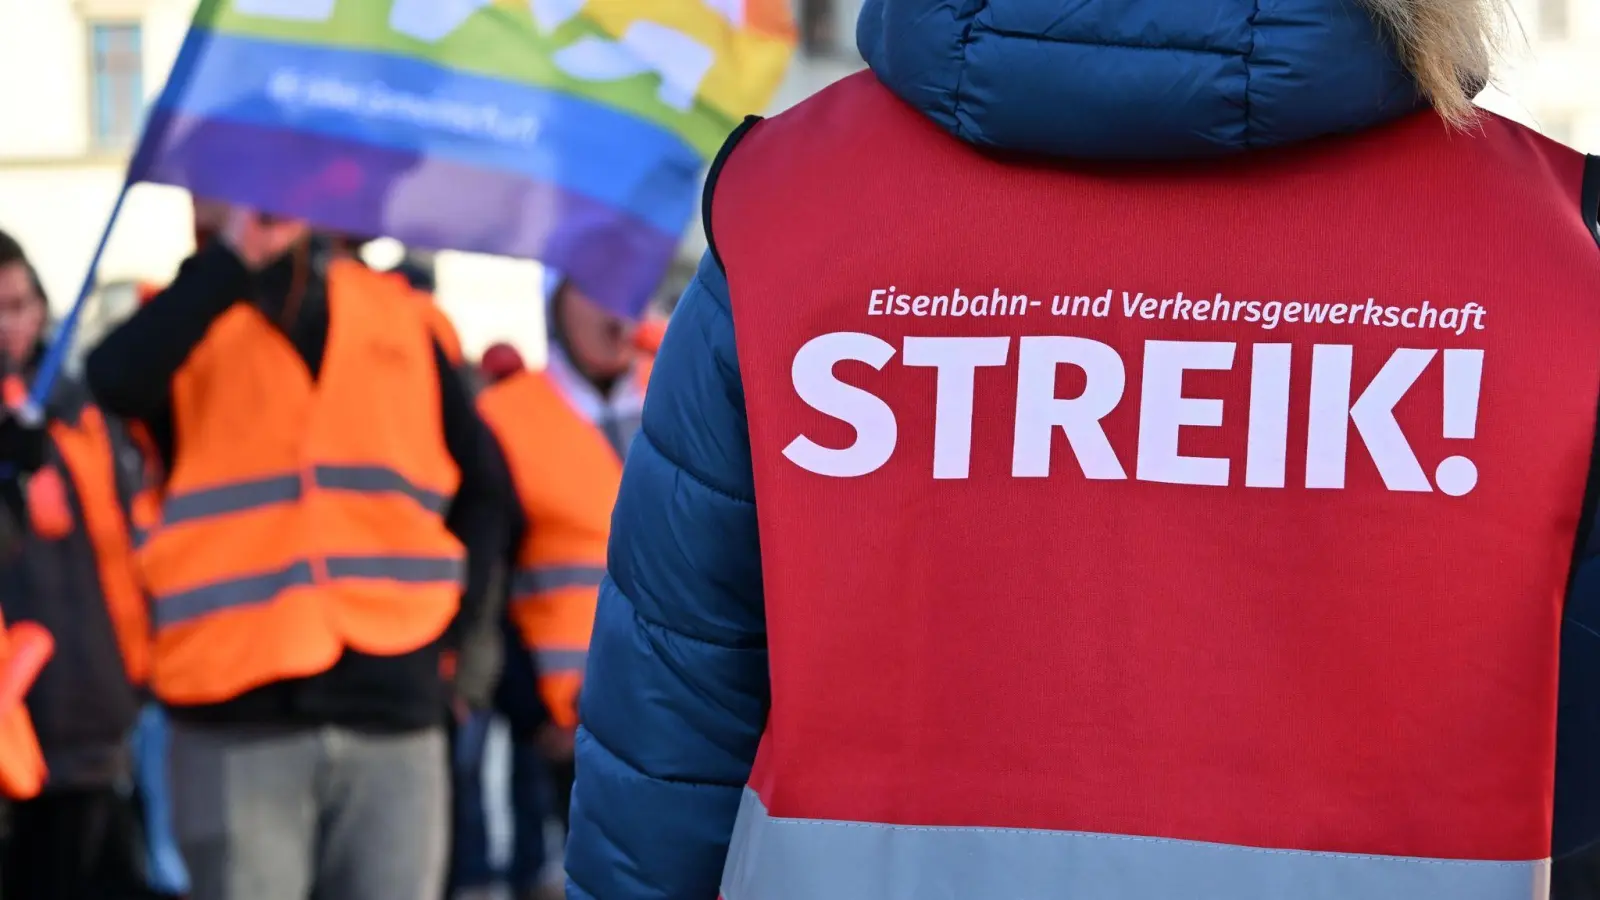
(1134, 532)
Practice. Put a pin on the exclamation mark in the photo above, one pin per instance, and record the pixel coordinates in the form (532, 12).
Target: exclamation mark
(1463, 377)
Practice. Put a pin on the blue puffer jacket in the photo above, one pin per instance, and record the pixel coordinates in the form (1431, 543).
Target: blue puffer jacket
(677, 692)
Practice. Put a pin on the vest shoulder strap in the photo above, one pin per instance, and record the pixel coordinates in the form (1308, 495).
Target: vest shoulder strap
(1591, 196)
(1587, 544)
(128, 462)
(711, 183)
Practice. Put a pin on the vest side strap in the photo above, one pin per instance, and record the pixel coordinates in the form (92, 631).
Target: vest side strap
(711, 183)
(1591, 196)
(1587, 544)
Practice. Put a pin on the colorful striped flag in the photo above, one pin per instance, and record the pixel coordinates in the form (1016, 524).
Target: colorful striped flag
(568, 131)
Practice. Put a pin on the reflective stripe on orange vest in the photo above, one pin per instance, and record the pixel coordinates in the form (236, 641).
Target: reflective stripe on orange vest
(220, 500)
(550, 584)
(303, 518)
(812, 859)
(566, 475)
(544, 579)
(248, 590)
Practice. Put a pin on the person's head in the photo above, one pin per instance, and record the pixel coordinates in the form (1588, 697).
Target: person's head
(210, 217)
(23, 308)
(1450, 47)
(599, 343)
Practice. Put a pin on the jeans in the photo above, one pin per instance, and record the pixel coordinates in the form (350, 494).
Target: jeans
(291, 813)
(473, 862)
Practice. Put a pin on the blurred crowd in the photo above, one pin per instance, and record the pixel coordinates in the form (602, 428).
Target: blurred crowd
(283, 567)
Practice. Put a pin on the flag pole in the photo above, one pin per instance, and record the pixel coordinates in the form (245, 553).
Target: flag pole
(32, 413)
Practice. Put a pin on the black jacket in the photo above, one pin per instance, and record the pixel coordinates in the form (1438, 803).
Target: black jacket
(131, 375)
(82, 704)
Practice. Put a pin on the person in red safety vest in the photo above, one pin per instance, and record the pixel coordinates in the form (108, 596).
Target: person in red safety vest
(1129, 451)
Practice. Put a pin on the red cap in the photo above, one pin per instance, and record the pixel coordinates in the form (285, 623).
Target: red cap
(500, 362)
(648, 335)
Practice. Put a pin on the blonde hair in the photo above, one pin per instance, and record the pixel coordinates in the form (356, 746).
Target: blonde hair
(1450, 46)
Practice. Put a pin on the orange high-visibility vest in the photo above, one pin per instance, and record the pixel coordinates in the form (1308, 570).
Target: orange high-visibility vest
(24, 649)
(439, 323)
(566, 476)
(86, 448)
(303, 517)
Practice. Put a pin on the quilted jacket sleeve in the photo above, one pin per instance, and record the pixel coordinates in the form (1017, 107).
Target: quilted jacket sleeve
(676, 693)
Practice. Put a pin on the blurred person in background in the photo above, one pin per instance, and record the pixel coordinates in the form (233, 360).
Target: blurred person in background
(881, 632)
(563, 432)
(329, 529)
(65, 487)
(527, 787)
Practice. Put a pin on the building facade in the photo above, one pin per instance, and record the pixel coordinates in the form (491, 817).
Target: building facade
(78, 74)
(1551, 77)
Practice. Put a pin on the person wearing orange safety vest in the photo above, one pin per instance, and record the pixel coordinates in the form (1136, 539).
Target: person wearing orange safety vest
(563, 432)
(328, 531)
(68, 569)
(525, 782)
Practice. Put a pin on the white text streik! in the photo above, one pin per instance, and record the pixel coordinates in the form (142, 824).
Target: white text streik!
(1163, 409)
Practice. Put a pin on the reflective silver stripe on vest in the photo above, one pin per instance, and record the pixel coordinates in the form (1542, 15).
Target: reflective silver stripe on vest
(409, 569)
(543, 579)
(810, 859)
(229, 498)
(249, 590)
(174, 609)
(561, 662)
(247, 495)
(378, 480)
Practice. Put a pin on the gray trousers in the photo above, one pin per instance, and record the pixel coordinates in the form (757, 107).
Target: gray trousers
(310, 814)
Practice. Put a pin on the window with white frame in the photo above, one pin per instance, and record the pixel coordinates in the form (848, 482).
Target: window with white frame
(116, 83)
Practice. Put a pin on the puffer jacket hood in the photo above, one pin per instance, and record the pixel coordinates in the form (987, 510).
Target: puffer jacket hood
(1137, 79)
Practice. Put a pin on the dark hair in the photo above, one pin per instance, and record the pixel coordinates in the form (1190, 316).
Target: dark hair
(10, 250)
(10, 253)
